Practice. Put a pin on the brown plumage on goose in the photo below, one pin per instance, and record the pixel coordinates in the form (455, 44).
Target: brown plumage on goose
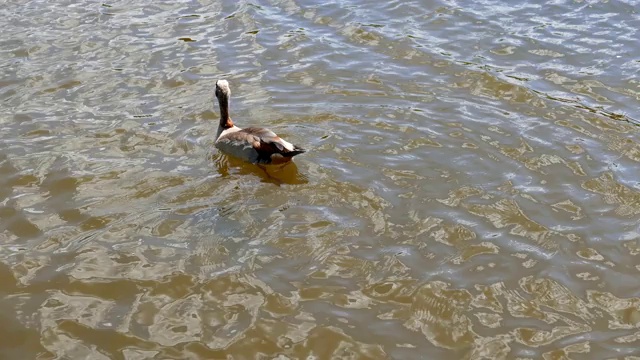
(253, 144)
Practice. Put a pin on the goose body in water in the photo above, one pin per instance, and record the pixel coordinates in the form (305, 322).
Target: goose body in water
(255, 145)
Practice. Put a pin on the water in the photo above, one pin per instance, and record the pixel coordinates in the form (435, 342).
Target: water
(471, 189)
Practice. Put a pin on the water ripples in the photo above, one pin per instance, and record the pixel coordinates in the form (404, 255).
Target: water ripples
(470, 190)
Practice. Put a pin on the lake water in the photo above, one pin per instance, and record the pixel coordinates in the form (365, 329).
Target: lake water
(471, 189)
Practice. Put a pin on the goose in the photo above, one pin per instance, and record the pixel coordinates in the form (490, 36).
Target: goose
(253, 144)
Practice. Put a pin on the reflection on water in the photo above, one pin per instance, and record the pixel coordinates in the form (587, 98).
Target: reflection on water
(275, 174)
(471, 191)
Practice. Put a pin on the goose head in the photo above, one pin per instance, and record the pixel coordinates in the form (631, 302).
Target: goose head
(222, 89)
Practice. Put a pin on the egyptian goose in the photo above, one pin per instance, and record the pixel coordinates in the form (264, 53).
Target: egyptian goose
(253, 144)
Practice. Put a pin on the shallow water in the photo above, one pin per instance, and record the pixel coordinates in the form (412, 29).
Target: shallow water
(471, 189)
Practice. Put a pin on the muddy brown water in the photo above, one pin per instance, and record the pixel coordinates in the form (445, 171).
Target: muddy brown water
(471, 189)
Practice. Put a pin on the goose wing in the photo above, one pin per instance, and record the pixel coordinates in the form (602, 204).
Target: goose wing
(269, 148)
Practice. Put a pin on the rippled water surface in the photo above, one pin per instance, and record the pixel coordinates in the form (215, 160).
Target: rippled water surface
(471, 189)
